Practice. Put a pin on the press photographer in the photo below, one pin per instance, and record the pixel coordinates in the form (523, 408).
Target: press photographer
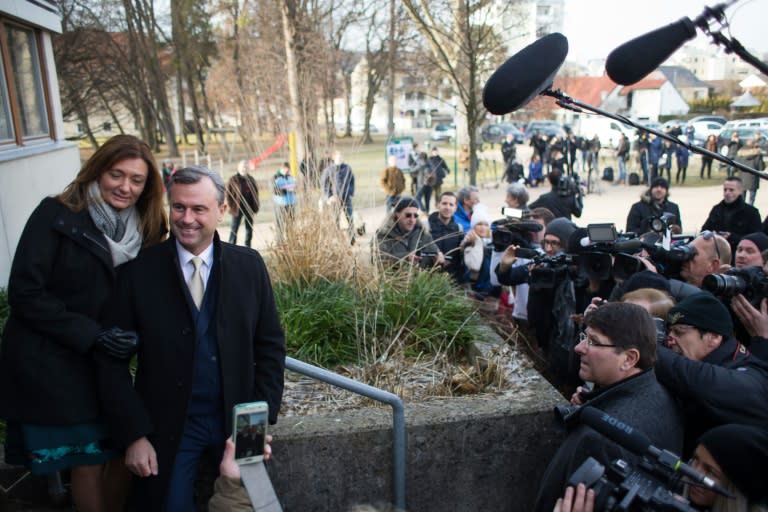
(619, 361)
(565, 199)
(653, 203)
(715, 377)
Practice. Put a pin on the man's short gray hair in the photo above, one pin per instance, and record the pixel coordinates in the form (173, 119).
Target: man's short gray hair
(193, 174)
(465, 192)
(518, 192)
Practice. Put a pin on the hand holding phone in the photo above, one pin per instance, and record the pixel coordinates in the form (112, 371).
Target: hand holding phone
(250, 432)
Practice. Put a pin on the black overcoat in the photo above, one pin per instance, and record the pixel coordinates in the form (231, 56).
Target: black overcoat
(61, 279)
(153, 299)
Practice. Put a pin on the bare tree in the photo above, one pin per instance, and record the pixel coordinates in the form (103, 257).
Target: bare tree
(465, 43)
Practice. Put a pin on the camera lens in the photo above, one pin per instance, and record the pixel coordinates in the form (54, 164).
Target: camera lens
(724, 285)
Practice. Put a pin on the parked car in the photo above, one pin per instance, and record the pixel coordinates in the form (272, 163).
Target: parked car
(550, 128)
(443, 132)
(745, 134)
(714, 119)
(497, 133)
(703, 129)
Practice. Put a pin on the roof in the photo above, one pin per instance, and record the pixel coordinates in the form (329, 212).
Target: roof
(588, 89)
(645, 83)
(682, 77)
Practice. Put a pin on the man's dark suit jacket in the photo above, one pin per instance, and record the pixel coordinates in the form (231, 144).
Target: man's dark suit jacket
(154, 300)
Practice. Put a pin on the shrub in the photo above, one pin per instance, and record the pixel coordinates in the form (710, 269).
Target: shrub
(337, 307)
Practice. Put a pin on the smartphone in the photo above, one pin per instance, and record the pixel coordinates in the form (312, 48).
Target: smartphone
(250, 431)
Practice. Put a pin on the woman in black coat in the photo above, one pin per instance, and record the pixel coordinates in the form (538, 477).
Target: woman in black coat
(62, 275)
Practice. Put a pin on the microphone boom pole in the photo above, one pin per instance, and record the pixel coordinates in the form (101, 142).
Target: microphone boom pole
(566, 101)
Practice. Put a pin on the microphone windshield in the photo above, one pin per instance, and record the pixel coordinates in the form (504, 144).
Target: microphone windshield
(635, 59)
(525, 75)
(615, 430)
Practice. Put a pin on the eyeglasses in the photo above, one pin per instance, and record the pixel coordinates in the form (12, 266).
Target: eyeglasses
(584, 338)
(553, 243)
(709, 235)
(411, 215)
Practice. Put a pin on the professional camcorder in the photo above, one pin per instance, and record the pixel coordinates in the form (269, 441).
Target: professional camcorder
(621, 486)
(514, 229)
(650, 484)
(748, 281)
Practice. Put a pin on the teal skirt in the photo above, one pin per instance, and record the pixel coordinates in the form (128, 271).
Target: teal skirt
(48, 448)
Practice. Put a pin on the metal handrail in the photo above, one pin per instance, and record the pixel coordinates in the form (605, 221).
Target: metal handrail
(398, 416)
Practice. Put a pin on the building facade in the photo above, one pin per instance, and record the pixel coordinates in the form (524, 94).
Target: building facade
(35, 159)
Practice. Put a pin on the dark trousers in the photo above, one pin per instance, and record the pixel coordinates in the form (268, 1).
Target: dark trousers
(423, 196)
(245, 214)
(201, 434)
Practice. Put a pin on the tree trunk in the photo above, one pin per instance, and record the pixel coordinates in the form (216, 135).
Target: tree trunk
(288, 12)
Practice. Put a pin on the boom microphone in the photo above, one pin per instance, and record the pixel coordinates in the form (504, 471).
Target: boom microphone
(635, 59)
(637, 442)
(525, 75)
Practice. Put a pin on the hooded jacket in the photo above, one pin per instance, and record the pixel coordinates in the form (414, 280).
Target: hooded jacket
(642, 211)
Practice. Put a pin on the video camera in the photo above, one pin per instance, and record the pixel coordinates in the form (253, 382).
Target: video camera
(748, 281)
(514, 229)
(606, 253)
(624, 487)
(651, 484)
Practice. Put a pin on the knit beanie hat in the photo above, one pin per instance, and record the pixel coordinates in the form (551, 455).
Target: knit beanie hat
(759, 239)
(646, 279)
(742, 453)
(703, 311)
(562, 228)
(405, 202)
(660, 182)
(480, 214)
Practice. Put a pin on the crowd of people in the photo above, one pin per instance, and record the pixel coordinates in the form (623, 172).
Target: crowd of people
(97, 280)
(660, 347)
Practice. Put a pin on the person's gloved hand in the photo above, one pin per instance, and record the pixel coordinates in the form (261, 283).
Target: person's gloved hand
(117, 343)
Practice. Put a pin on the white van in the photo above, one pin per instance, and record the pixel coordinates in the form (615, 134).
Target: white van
(760, 123)
(605, 128)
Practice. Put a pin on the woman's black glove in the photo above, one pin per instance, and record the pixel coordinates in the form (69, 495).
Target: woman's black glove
(117, 343)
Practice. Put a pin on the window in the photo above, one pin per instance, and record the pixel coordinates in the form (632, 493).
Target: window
(24, 109)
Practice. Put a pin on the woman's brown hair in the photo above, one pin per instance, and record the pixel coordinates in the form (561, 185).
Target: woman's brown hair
(154, 223)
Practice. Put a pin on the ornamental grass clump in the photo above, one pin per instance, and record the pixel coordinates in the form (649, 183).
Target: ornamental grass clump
(339, 306)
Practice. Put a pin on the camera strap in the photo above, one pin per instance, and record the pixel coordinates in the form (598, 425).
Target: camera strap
(256, 481)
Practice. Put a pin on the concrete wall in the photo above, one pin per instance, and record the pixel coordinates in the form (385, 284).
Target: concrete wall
(475, 453)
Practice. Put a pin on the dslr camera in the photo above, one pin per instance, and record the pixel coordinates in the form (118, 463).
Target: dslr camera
(514, 229)
(748, 281)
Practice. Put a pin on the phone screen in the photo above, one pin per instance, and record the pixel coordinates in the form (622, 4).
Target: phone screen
(250, 433)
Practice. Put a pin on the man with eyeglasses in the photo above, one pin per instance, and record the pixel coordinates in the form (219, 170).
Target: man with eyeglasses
(402, 239)
(732, 217)
(712, 251)
(619, 362)
(714, 377)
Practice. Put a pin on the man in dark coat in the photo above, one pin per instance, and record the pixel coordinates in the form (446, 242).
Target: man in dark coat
(714, 377)
(564, 200)
(243, 201)
(653, 203)
(733, 217)
(210, 339)
(446, 233)
(619, 361)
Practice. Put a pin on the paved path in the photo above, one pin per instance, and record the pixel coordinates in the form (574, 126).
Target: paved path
(611, 204)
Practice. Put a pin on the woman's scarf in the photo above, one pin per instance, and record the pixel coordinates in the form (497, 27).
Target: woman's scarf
(121, 227)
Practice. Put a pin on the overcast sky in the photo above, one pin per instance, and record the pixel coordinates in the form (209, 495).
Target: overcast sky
(595, 27)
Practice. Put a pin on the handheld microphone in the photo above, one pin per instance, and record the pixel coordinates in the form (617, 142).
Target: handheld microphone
(637, 442)
(635, 59)
(525, 75)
